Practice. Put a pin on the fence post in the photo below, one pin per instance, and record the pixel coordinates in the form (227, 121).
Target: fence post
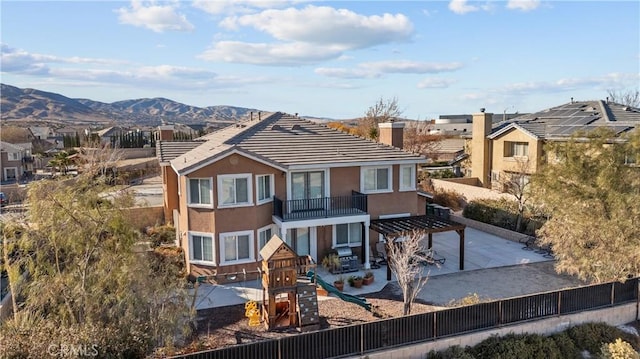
(613, 293)
(500, 312)
(559, 302)
(361, 339)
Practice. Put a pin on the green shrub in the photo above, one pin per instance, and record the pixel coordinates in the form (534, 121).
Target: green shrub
(566, 346)
(454, 352)
(517, 346)
(446, 173)
(591, 336)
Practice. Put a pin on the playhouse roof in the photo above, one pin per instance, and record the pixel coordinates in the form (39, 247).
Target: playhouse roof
(276, 248)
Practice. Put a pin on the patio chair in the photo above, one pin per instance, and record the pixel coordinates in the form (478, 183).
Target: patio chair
(529, 242)
(381, 254)
(431, 257)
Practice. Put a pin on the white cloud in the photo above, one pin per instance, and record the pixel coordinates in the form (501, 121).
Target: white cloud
(308, 35)
(404, 66)
(296, 53)
(79, 71)
(523, 5)
(461, 7)
(379, 68)
(238, 6)
(158, 18)
(327, 26)
(433, 82)
(344, 73)
(14, 60)
(603, 82)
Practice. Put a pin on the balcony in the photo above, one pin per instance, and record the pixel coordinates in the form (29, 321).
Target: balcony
(326, 207)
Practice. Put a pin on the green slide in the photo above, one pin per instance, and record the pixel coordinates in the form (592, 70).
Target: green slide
(346, 297)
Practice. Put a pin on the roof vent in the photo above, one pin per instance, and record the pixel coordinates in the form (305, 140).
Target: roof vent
(627, 108)
(296, 127)
(276, 127)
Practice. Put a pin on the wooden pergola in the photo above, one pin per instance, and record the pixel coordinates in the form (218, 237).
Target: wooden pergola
(428, 224)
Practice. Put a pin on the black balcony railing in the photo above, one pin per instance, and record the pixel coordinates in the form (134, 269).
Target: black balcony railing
(325, 207)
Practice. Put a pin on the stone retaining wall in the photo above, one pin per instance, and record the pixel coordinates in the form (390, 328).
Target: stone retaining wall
(488, 228)
(468, 191)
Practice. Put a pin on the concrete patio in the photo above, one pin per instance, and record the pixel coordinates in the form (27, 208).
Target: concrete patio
(482, 251)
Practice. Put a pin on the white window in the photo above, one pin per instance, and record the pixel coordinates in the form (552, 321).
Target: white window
(407, 178)
(236, 247)
(201, 248)
(375, 179)
(13, 156)
(495, 176)
(200, 191)
(234, 190)
(516, 149)
(264, 235)
(348, 234)
(265, 188)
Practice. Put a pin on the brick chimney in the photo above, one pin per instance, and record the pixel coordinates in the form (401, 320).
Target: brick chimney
(481, 147)
(165, 133)
(391, 133)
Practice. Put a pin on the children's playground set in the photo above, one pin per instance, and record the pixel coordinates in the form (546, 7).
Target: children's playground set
(289, 290)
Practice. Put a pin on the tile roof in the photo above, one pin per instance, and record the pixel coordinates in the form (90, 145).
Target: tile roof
(288, 142)
(169, 150)
(562, 121)
(6, 146)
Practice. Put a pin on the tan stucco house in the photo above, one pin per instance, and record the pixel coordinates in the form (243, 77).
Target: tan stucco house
(15, 160)
(517, 145)
(318, 188)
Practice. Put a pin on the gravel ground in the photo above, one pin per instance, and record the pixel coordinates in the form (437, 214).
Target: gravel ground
(224, 326)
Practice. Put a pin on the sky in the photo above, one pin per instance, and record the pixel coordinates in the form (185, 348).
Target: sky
(326, 59)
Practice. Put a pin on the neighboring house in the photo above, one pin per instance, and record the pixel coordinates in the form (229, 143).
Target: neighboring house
(12, 164)
(42, 132)
(517, 145)
(318, 188)
(105, 135)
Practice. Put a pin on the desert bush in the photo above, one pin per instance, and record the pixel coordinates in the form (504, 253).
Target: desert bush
(618, 350)
(470, 299)
(448, 198)
(501, 213)
(163, 234)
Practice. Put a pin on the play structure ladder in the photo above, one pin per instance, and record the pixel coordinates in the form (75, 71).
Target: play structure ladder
(308, 306)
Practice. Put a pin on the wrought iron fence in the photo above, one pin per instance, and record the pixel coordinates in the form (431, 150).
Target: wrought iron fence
(363, 338)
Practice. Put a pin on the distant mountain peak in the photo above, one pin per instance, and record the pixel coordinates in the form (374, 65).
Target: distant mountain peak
(35, 105)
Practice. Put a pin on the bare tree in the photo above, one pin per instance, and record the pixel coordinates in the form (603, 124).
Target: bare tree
(406, 258)
(627, 97)
(382, 111)
(418, 138)
(517, 184)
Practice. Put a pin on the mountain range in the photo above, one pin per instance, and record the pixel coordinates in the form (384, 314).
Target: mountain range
(31, 105)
